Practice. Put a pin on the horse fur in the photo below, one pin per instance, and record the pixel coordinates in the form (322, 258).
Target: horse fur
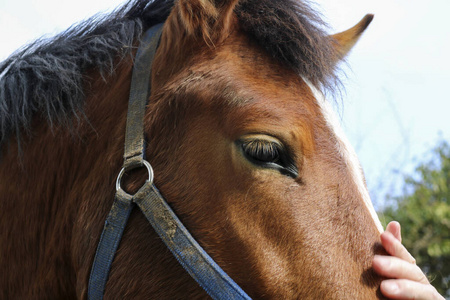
(279, 237)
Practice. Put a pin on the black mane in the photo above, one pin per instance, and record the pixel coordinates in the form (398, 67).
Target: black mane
(46, 77)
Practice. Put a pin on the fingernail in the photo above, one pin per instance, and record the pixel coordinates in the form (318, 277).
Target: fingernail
(390, 287)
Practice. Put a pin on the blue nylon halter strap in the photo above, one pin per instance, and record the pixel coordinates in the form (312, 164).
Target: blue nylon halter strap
(150, 201)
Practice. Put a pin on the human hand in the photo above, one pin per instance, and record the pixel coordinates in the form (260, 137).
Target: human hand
(405, 279)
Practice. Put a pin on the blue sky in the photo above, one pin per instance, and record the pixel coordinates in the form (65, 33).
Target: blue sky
(396, 103)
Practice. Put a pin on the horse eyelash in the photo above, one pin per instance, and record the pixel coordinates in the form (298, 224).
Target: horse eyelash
(273, 153)
(259, 147)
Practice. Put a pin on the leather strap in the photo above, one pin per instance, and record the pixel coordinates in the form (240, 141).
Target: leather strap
(133, 158)
(166, 224)
(139, 93)
(109, 242)
(185, 248)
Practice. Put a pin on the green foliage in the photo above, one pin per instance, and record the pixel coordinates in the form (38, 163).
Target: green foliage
(424, 213)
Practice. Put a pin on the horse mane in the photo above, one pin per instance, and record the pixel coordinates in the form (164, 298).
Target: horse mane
(48, 77)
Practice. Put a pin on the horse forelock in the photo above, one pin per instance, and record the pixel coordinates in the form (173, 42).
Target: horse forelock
(293, 33)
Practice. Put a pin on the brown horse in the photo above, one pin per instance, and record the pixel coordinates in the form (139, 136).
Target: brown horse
(243, 144)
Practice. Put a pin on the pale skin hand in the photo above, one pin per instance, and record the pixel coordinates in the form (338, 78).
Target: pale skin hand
(407, 279)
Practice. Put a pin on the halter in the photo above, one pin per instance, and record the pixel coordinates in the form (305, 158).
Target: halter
(149, 200)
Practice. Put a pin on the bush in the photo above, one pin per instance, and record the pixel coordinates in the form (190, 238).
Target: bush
(423, 210)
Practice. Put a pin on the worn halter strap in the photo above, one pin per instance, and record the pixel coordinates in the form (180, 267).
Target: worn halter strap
(149, 200)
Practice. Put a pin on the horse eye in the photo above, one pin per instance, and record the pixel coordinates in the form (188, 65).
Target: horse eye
(262, 151)
(267, 152)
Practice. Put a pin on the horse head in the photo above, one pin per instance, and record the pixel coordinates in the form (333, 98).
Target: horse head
(244, 147)
(249, 153)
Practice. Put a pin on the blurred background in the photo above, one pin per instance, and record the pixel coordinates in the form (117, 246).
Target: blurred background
(396, 102)
(394, 108)
(395, 112)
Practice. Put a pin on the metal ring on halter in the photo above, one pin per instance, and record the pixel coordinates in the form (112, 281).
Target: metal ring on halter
(146, 164)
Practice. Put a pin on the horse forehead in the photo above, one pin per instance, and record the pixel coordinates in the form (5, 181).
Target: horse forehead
(254, 94)
(254, 77)
(253, 90)
(290, 113)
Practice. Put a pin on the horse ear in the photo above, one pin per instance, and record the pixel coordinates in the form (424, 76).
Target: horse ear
(209, 19)
(191, 24)
(347, 39)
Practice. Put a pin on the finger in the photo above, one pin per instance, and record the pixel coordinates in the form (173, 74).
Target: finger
(395, 248)
(393, 267)
(406, 289)
(394, 228)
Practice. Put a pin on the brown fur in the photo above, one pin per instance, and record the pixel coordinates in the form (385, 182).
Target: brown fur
(277, 237)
